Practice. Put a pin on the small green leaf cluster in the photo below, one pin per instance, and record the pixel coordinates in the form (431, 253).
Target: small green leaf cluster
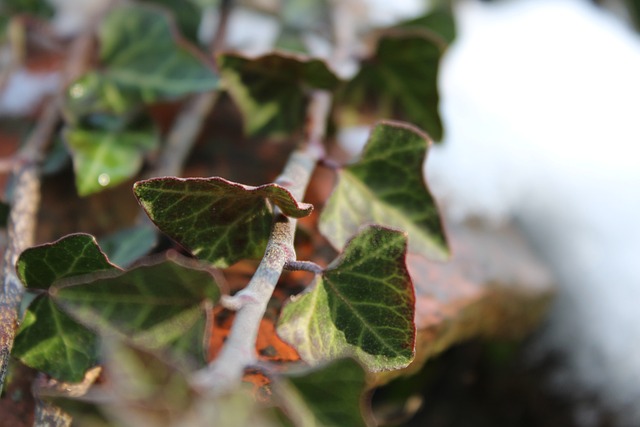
(143, 59)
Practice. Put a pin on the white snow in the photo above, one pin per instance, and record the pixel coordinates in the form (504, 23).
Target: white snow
(541, 100)
(541, 104)
(381, 13)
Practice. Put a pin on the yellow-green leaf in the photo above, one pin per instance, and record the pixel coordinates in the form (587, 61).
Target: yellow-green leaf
(362, 306)
(386, 186)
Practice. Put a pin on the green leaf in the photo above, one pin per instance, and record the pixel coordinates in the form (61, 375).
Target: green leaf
(399, 81)
(633, 7)
(104, 159)
(362, 306)
(189, 349)
(147, 390)
(95, 100)
(153, 305)
(299, 19)
(52, 342)
(187, 16)
(386, 186)
(141, 50)
(217, 220)
(49, 340)
(440, 20)
(141, 378)
(271, 90)
(306, 15)
(73, 255)
(127, 246)
(331, 395)
(57, 159)
(33, 7)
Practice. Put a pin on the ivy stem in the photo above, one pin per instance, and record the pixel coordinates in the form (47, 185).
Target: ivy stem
(238, 352)
(226, 371)
(309, 266)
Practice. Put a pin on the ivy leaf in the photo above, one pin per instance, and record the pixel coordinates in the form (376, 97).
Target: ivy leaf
(440, 20)
(189, 349)
(73, 255)
(148, 390)
(40, 8)
(362, 306)
(144, 60)
(271, 90)
(154, 305)
(300, 18)
(217, 220)
(96, 101)
(386, 186)
(306, 15)
(104, 159)
(130, 244)
(49, 340)
(400, 81)
(144, 386)
(187, 16)
(141, 49)
(331, 395)
(52, 342)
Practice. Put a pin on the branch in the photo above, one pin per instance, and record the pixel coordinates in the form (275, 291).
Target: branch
(21, 230)
(24, 207)
(188, 124)
(183, 134)
(226, 371)
(309, 266)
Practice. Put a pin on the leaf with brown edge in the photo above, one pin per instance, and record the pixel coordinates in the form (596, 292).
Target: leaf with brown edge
(386, 186)
(142, 50)
(216, 220)
(362, 306)
(271, 90)
(40, 266)
(49, 339)
(494, 287)
(331, 395)
(398, 81)
(159, 304)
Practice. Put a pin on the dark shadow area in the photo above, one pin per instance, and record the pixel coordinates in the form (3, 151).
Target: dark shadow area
(481, 384)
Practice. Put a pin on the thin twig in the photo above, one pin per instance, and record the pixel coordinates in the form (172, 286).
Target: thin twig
(309, 266)
(217, 43)
(183, 134)
(188, 124)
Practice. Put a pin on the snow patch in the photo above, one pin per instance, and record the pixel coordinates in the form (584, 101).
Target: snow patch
(540, 102)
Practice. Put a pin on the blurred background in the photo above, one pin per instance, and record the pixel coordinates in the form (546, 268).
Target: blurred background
(540, 101)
